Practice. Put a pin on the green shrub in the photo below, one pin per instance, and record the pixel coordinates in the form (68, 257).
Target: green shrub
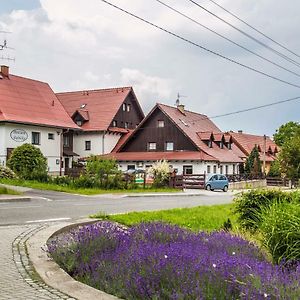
(62, 180)
(7, 173)
(280, 231)
(28, 162)
(249, 205)
(86, 182)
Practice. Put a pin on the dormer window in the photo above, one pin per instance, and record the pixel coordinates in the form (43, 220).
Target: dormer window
(229, 146)
(79, 122)
(124, 106)
(221, 145)
(114, 123)
(209, 143)
(128, 107)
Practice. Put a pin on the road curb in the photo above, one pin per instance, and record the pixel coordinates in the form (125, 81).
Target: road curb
(15, 199)
(51, 273)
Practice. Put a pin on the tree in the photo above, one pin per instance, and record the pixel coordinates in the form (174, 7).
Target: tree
(286, 132)
(275, 169)
(28, 162)
(253, 163)
(101, 168)
(289, 158)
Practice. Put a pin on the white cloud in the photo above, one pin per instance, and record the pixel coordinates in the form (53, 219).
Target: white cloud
(87, 44)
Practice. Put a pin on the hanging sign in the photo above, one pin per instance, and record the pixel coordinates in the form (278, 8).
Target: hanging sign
(19, 135)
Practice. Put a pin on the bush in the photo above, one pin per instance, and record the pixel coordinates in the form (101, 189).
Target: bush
(28, 162)
(62, 180)
(161, 173)
(86, 182)
(280, 230)
(249, 205)
(7, 173)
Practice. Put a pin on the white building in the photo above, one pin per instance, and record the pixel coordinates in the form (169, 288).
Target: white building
(31, 113)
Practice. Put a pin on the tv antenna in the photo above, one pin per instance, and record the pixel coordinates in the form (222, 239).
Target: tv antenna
(4, 46)
(178, 99)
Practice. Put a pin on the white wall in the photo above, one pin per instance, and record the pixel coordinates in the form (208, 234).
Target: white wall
(97, 138)
(49, 148)
(199, 167)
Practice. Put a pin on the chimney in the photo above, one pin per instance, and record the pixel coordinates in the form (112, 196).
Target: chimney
(180, 107)
(240, 131)
(5, 71)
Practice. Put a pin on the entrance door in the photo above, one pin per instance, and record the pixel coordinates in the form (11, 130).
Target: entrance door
(67, 161)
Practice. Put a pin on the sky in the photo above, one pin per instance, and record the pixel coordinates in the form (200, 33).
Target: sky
(86, 44)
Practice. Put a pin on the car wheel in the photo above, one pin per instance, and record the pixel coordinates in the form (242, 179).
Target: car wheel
(208, 187)
(225, 189)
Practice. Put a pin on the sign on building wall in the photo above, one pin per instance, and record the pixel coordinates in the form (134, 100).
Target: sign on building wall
(19, 135)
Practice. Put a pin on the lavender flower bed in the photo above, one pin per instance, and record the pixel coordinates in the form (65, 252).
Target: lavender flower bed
(160, 261)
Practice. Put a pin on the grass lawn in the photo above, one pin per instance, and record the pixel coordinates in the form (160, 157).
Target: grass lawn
(67, 189)
(207, 218)
(6, 191)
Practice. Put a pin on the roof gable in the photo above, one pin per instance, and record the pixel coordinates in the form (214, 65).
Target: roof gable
(100, 105)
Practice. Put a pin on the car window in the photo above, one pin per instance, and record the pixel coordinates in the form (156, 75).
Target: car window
(222, 177)
(215, 177)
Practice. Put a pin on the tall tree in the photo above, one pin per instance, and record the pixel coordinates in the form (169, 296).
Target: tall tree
(289, 158)
(253, 163)
(286, 132)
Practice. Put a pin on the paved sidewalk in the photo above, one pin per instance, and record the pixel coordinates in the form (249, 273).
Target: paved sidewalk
(18, 280)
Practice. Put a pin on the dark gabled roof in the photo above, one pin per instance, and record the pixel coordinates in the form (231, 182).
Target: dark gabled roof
(28, 101)
(100, 106)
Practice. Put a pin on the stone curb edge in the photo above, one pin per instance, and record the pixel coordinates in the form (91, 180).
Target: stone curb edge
(15, 199)
(51, 273)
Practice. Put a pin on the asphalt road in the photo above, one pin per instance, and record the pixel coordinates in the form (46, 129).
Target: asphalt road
(48, 206)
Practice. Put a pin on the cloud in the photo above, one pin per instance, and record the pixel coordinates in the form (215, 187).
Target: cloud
(148, 87)
(87, 44)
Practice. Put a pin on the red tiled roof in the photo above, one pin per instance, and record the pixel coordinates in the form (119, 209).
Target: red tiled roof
(192, 124)
(29, 101)
(246, 142)
(154, 156)
(205, 136)
(102, 105)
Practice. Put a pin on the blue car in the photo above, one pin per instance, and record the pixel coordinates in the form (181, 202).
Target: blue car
(216, 182)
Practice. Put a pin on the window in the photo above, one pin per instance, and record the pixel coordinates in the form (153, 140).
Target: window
(124, 106)
(208, 169)
(215, 169)
(169, 146)
(88, 145)
(221, 145)
(209, 144)
(50, 136)
(229, 146)
(160, 123)
(221, 169)
(187, 170)
(66, 141)
(114, 123)
(130, 167)
(36, 138)
(222, 177)
(151, 146)
(233, 169)
(126, 125)
(226, 170)
(128, 107)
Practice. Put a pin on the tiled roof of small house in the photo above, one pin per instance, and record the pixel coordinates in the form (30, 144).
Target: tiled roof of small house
(101, 105)
(28, 101)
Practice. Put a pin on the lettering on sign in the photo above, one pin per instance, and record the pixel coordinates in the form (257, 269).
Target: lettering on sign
(19, 135)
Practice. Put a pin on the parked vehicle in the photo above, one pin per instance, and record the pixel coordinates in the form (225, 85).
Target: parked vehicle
(217, 182)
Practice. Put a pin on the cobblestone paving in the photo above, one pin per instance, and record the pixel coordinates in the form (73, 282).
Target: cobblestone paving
(18, 280)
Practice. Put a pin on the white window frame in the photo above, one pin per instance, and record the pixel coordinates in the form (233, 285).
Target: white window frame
(160, 123)
(152, 146)
(169, 144)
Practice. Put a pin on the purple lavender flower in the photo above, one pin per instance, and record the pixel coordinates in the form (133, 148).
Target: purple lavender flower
(161, 261)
